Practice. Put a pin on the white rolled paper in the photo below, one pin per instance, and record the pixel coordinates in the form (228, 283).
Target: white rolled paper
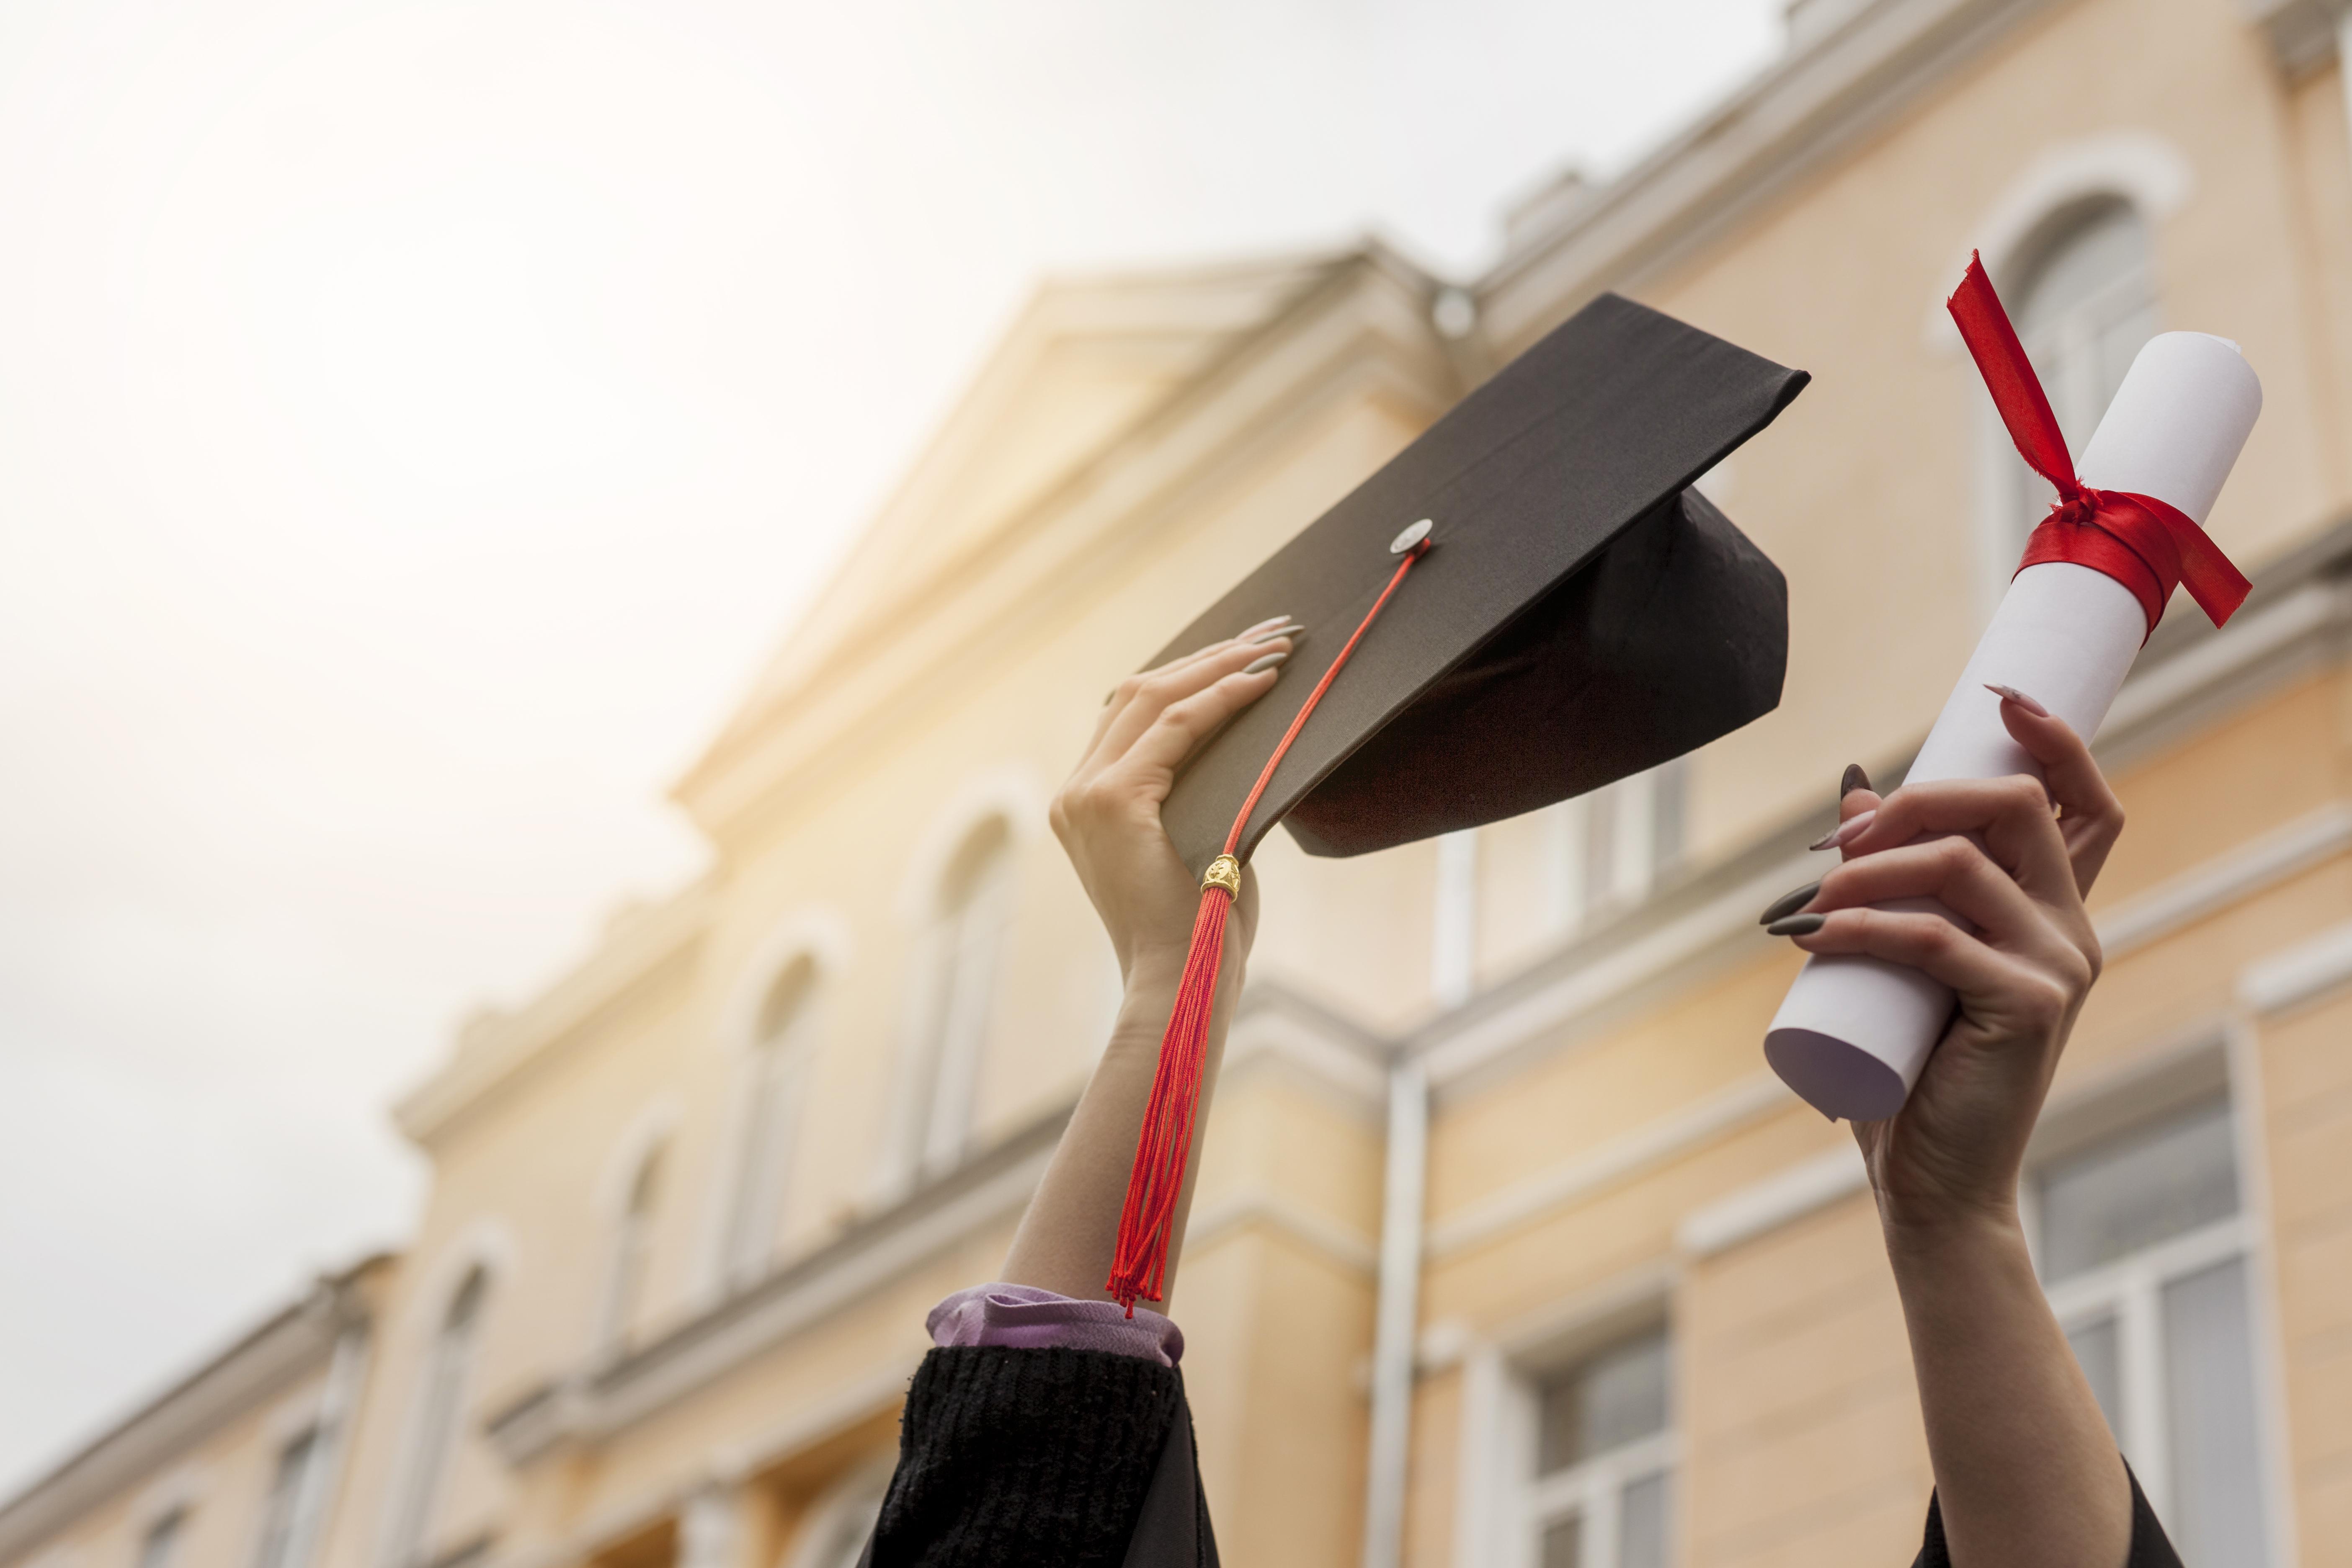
(1855, 1033)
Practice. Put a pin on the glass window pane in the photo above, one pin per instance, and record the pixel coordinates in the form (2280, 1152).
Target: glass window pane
(2216, 1515)
(1642, 1524)
(1616, 1398)
(2097, 1349)
(2136, 1191)
(1563, 1544)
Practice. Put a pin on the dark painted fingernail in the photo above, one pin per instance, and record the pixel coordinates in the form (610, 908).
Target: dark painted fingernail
(1854, 779)
(1294, 631)
(1109, 695)
(1787, 903)
(1846, 832)
(1248, 632)
(2011, 694)
(1264, 661)
(1796, 925)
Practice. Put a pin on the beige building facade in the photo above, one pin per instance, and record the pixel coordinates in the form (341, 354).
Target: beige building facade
(690, 1205)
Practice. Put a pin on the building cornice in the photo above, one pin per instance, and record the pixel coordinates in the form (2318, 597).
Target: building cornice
(2297, 619)
(1364, 327)
(295, 1342)
(1822, 98)
(586, 1405)
(495, 1049)
(1275, 1028)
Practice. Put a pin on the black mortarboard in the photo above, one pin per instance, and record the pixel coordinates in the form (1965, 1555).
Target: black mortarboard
(1582, 614)
(1578, 613)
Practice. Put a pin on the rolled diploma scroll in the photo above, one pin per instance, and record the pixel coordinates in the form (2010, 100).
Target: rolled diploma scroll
(1855, 1033)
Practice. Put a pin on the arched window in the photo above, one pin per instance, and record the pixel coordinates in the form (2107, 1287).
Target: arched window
(956, 993)
(633, 1237)
(440, 1414)
(783, 1034)
(2086, 304)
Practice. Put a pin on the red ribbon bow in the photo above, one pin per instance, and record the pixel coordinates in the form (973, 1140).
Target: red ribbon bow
(2148, 545)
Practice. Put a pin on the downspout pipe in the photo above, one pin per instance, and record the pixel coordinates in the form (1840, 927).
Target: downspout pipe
(1397, 1322)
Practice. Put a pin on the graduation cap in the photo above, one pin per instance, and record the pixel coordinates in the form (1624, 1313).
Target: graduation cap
(1528, 602)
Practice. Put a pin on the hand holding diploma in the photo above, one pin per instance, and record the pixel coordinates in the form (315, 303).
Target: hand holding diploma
(2026, 1472)
(1853, 1034)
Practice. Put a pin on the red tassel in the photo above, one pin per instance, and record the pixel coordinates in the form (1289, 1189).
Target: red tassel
(1138, 1264)
(1138, 1267)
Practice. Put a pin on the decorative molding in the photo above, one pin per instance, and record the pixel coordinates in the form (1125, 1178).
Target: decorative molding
(2306, 971)
(2228, 878)
(1276, 1029)
(2141, 167)
(1358, 327)
(1672, 951)
(596, 1400)
(1252, 1205)
(497, 1050)
(1010, 791)
(1765, 1206)
(2251, 641)
(254, 1373)
(2304, 36)
(1654, 1144)
(1819, 100)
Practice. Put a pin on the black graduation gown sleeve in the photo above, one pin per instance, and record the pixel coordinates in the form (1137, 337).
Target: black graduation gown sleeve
(1043, 1458)
(2150, 1547)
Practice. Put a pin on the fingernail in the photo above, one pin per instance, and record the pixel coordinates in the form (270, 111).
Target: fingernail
(2011, 694)
(1264, 661)
(1846, 832)
(1294, 631)
(1787, 903)
(1797, 925)
(1854, 779)
(1248, 633)
(1109, 695)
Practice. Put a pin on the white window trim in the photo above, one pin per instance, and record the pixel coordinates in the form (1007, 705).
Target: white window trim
(2130, 1289)
(2221, 1057)
(1592, 1490)
(821, 934)
(486, 1244)
(1496, 1492)
(1453, 921)
(917, 1142)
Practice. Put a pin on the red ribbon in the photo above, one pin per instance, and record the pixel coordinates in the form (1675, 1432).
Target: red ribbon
(2146, 544)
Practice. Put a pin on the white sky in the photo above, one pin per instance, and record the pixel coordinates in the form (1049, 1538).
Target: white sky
(416, 422)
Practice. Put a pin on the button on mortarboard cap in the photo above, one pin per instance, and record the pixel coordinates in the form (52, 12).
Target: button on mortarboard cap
(1575, 614)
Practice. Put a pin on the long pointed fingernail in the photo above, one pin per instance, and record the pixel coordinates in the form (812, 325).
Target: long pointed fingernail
(1797, 925)
(1787, 903)
(1247, 632)
(2011, 694)
(1854, 779)
(1264, 661)
(1846, 832)
(1293, 631)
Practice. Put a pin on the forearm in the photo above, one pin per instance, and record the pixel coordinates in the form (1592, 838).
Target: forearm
(2026, 1471)
(1065, 1240)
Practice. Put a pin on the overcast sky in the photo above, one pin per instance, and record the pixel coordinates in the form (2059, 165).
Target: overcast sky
(416, 422)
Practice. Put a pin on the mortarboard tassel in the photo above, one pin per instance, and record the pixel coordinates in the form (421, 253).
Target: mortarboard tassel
(1138, 1264)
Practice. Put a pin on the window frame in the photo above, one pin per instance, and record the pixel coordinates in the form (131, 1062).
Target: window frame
(2204, 1064)
(1644, 810)
(436, 1429)
(779, 1057)
(1592, 1488)
(954, 1000)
